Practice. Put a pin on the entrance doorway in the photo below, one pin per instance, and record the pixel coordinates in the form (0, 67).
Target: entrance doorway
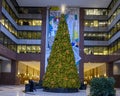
(92, 70)
(28, 70)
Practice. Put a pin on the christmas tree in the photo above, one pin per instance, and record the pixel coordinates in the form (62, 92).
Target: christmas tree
(61, 71)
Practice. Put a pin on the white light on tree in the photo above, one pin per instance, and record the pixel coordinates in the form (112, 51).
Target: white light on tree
(63, 8)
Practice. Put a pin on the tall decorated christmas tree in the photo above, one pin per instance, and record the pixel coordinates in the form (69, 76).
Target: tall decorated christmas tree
(61, 71)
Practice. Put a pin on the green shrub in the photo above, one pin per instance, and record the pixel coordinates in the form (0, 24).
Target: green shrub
(102, 87)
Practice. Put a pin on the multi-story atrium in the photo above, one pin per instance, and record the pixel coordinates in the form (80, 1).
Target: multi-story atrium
(25, 39)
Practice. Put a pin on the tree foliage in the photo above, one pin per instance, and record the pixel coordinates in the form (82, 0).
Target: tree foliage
(61, 71)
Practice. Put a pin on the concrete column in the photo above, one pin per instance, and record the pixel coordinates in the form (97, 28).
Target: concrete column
(81, 44)
(0, 68)
(109, 69)
(43, 43)
(9, 72)
(0, 9)
(14, 71)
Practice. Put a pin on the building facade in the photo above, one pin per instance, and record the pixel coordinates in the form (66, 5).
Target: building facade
(23, 42)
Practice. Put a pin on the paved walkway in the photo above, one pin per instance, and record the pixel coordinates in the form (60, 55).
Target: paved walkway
(18, 91)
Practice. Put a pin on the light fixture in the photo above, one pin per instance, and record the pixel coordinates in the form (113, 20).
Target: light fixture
(105, 75)
(98, 75)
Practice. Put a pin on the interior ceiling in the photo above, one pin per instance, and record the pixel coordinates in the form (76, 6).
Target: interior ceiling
(88, 66)
(117, 62)
(3, 58)
(70, 3)
(33, 64)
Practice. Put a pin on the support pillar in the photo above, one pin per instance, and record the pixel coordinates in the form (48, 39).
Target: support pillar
(14, 71)
(109, 69)
(0, 9)
(9, 70)
(43, 43)
(81, 44)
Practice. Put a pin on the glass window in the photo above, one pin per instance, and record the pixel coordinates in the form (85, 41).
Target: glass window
(96, 50)
(15, 33)
(3, 21)
(20, 35)
(105, 52)
(26, 22)
(119, 44)
(1, 37)
(6, 23)
(23, 49)
(86, 51)
(96, 11)
(38, 49)
(28, 49)
(19, 49)
(20, 22)
(25, 36)
(33, 49)
(34, 35)
(95, 22)
(14, 47)
(29, 35)
(36, 22)
(5, 41)
(3, 3)
(38, 35)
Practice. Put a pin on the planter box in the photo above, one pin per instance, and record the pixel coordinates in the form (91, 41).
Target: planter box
(61, 90)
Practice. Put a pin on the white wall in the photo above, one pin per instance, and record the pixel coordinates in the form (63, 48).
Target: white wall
(6, 66)
(116, 69)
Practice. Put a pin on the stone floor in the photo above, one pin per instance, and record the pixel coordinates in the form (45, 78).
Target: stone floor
(18, 91)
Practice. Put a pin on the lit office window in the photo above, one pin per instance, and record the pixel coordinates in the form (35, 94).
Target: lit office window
(37, 22)
(86, 51)
(105, 51)
(3, 21)
(1, 37)
(25, 36)
(6, 23)
(18, 49)
(30, 22)
(28, 49)
(96, 50)
(95, 22)
(23, 49)
(3, 3)
(119, 44)
(29, 35)
(102, 24)
(96, 11)
(38, 49)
